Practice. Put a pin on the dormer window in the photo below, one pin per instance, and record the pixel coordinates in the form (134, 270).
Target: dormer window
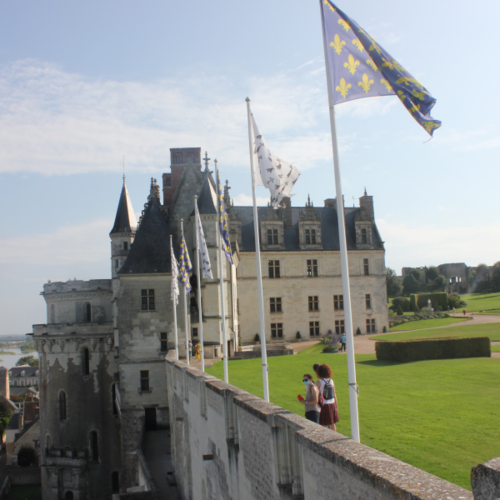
(363, 236)
(272, 236)
(310, 236)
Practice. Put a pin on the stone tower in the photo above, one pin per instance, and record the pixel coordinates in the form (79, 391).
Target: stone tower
(4, 382)
(123, 232)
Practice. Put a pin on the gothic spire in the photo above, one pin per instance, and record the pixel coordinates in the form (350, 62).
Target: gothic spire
(125, 221)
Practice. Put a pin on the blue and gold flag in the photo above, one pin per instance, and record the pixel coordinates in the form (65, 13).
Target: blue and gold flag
(223, 225)
(360, 67)
(184, 265)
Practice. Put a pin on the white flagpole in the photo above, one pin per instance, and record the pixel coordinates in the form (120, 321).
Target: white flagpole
(344, 264)
(222, 264)
(185, 309)
(198, 272)
(265, 368)
(174, 305)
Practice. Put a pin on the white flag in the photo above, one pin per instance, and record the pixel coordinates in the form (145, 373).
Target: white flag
(205, 260)
(174, 295)
(276, 175)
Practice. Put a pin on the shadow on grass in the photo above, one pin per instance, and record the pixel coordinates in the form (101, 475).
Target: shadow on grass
(379, 364)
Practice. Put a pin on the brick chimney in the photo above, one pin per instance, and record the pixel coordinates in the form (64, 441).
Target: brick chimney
(179, 159)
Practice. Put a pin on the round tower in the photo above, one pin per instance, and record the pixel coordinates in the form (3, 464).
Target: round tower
(123, 232)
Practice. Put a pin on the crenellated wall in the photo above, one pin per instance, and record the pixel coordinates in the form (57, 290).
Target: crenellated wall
(229, 444)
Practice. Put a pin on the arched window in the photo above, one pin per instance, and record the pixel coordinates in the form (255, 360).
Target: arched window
(21, 382)
(68, 496)
(52, 318)
(94, 447)
(113, 400)
(87, 313)
(86, 361)
(28, 382)
(115, 482)
(62, 406)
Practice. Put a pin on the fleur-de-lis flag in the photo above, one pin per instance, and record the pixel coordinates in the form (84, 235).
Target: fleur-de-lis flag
(360, 67)
(184, 265)
(206, 268)
(224, 228)
(174, 294)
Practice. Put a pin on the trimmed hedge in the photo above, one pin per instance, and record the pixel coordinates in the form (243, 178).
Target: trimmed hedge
(404, 351)
(437, 299)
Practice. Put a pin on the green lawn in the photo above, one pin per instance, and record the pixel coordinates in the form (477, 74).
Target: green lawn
(440, 416)
(491, 330)
(426, 323)
(25, 493)
(480, 301)
(493, 312)
(495, 348)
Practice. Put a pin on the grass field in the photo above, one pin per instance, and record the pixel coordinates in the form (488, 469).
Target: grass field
(25, 493)
(426, 323)
(480, 301)
(491, 330)
(440, 416)
(493, 312)
(495, 348)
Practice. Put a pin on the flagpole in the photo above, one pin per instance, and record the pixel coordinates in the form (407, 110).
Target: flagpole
(185, 309)
(174, 304)
(221, 280)
(344, 264)
(198, 273)
(265, 368)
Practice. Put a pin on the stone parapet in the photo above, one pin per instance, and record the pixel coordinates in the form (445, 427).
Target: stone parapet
(485, 480)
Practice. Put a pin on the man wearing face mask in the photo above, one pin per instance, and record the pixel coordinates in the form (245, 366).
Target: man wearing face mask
(311, 402)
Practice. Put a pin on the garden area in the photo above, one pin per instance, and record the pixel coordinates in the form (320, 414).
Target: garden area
(416, 412)
(25, 493)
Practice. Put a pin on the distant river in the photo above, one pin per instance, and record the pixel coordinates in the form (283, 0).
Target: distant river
(10, 360)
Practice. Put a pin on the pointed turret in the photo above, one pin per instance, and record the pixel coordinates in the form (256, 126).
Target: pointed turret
(123, 232)
(208, 197)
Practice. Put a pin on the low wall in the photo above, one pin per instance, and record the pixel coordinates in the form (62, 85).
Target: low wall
(485, 480)
(24, 475)
(227, 443)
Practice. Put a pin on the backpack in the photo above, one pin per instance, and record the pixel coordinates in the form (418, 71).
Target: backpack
(328, 390)
(321, 400)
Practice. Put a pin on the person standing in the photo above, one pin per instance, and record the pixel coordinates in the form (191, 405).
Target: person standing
(311, 402)
(329, 414)
(190, 350)
(464, 312)
(342, 342)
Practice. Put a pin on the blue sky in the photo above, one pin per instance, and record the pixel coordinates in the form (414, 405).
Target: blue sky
(84, 83)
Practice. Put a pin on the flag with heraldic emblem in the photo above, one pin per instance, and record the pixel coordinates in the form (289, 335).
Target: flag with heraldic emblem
(174, 294)
(184, 265)
(360, 67)
(224, 228)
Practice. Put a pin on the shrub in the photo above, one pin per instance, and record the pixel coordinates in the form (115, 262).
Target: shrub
(329, 349)
(26, 456)
(437, 299)
(358, 331)
(425, 311)
(404, 302)
(405, 351)
(256, 338)
(298, 336)
(400, 311)
(454, 301)
(384, 330)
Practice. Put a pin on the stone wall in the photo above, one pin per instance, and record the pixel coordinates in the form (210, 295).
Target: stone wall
(229, 444)
(24, 475)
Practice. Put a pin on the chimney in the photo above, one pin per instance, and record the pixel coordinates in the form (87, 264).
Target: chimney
(331, 203)
(29, 411)
(4, 382)
(366, 206)
(179, 159)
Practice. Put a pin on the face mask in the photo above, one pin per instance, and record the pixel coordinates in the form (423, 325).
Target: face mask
(307, 382)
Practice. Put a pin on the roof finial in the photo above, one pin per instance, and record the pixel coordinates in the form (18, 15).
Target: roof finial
(206, 160)
(365, 191)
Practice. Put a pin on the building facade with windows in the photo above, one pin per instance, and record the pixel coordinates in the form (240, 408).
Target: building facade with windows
(102, 350)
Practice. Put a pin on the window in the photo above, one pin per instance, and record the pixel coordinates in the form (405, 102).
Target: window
(314, 328)
(113, 397)
(86, 361)
(115, 482)
(313, 303)
(94, 446)
(116, 264)
(277, 330)
(274, 268)
(52, 314)
(272, 236)
(144, 380)
(275, 304)
(148, 300)
(338, 302)
(310, 236)
(312, 268)
(366, 267)
(48, 441)
(62, 406)
(163, 342)
(195, 333)
(125, 245)
(363, 236)
(87, 313)
(368, 301)
(339, 326)
(370, 326)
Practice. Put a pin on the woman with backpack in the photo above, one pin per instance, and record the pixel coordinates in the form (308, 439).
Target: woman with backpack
(329, 415)
(311, 402)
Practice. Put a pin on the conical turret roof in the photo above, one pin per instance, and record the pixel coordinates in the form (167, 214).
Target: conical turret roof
(150, 251)
(125, 220)
(208, 198)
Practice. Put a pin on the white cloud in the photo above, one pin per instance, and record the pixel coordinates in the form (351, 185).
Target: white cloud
(417, 245)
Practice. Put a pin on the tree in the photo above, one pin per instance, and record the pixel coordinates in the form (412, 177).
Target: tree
(441, 282)
(5, 416)
(495, 277)
(26, 456)
(432, 273)
(400, 311)
(27, 360)
(416, 274)
(394, 286)
(410, 284)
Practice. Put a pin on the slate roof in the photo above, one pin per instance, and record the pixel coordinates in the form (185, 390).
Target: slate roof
(29, 371)
(150, 251)
(329, 229)
(25, 429)
(207, 198)
(125, 220)
(19, 391)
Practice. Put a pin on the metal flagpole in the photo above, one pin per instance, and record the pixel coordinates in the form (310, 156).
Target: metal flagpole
(174, 304)
(185, 309)
(265, 368)
(344, 264)
(198, 272)
(221, 280)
